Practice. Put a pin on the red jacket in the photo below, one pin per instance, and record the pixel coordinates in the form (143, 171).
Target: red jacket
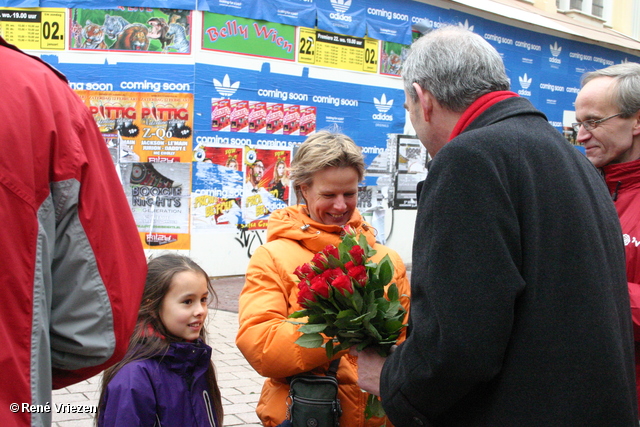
(73, 267)
(623, 180)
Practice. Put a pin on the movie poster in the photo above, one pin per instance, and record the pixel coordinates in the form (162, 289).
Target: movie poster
(166, 123)
(217, 188)
(146, 127)
(266, 184)
(131, 29)
(159, 195)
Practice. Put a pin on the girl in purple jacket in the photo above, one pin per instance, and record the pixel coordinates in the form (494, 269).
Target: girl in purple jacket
(167, 377)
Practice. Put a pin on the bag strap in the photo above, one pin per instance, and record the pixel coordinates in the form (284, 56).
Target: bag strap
(332, 371)
(333, 367)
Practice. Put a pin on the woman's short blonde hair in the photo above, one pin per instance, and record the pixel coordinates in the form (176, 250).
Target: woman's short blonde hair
(322, 150)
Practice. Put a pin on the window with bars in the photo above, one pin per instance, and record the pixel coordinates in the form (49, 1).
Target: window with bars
(596, 6)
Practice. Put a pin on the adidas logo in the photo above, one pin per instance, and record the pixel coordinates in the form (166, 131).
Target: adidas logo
(525, 81)
(466, 25)
(226, 89)
(341, 6)
(382, 105)
(555, 49)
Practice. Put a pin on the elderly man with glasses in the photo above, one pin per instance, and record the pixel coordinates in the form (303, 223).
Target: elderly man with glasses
(608, 107)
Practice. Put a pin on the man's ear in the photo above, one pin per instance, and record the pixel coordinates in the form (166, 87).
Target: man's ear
(636, 123)
(426, 102)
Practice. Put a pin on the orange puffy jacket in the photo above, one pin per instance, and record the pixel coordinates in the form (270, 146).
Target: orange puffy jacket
(269, 295)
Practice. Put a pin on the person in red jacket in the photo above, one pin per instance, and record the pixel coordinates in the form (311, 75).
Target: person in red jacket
(608, 110)
(73, 268)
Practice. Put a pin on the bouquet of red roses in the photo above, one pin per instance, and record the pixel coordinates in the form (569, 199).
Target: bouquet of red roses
(342, 293)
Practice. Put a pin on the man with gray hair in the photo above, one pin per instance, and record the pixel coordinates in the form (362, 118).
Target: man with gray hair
(520, 312)
(608, 110)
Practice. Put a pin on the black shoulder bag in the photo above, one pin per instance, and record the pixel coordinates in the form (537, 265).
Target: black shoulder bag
(313, 399)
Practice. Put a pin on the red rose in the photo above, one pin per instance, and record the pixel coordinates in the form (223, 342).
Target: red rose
(320, 286)
(305, 295)
(359, 273)
(332, 250)
(349, 230)
(343, 284)
(320, 260)
(306, 271)
(298, 272)
(331, 274)
(357, 254)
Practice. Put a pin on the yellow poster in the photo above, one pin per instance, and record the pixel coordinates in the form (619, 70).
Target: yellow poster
(35, 29)
(338, 51)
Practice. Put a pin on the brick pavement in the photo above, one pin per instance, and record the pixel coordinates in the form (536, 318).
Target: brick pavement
(240, 385)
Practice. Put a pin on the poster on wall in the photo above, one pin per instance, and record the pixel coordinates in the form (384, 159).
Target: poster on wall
(131, 29)
(36, 29)
(266, 185)
(148, 127)
(411, 162)
(281, 110)
(226, 33)
(338, 51)
(217, 188)
(159, 195)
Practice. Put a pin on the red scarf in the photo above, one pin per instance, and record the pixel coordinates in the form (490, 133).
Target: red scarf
(478, 107)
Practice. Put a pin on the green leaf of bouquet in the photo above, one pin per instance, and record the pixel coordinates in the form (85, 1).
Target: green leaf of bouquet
(372, 311)
(298, 314)
(329, 349)
(392, 292)
(374, 407)
(351, 334)
(312, 328)
(372, 331)
(393, 308)
(392, 326)
(346, 313)
(383, 304)
(385, 270)
(356, 299)
(310, 341)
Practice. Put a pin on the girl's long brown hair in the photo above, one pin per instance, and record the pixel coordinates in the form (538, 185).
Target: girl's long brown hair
(150, 337)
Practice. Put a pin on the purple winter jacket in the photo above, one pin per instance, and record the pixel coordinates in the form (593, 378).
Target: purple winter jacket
(168, 390)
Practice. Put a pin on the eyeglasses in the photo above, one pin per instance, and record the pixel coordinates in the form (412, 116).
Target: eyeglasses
(591, 124)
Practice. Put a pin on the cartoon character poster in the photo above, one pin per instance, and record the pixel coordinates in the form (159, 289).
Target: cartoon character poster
(131, 29)
(266, 186)
(159, 195)
(217, 188)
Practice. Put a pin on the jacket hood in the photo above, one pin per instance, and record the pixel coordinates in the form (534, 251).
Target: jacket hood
(186, 357)
(293, 223)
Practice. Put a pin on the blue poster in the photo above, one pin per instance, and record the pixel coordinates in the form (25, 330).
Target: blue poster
(128, 77)
(19, 3)
(300, 13)
(282, 110)
(390, 22)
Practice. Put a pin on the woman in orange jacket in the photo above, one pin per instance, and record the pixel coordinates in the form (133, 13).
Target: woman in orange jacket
(326, 171)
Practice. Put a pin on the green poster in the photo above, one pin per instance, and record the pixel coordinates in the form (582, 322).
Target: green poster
(233, 34)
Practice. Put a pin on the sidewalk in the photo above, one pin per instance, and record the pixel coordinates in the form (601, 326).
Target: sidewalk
(240, 385)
